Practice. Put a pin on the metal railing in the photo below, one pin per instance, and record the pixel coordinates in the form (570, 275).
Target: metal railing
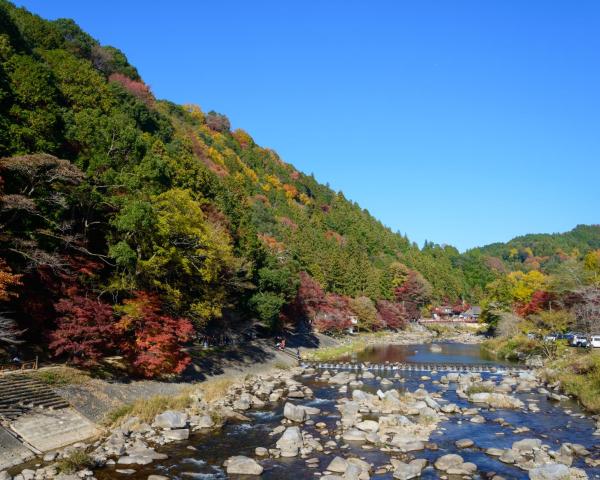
(20, 366)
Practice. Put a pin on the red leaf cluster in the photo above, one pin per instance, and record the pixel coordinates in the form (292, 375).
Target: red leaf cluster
(392, 314)
(85, 330)
(540, 300)
(153, 341)
(413, 294)
(138, 89)
(325, 312)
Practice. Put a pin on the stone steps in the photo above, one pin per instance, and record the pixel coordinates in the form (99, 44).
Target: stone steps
(20, 393)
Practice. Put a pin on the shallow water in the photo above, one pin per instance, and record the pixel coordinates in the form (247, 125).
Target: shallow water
(553, 424)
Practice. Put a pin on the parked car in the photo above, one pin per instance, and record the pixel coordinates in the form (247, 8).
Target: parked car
(595, 341)
(578, 340)
(551, 337)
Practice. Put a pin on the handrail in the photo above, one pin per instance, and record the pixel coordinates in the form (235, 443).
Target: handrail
(26, 365)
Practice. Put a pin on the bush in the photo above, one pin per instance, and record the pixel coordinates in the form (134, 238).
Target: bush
(75, 461)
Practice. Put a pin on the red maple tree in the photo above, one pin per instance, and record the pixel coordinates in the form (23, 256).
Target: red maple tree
(540, 300)
(392, 314)
(152, 341)
(334, 315)
(85, 330)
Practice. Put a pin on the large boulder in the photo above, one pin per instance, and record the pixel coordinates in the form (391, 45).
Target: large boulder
(290, 442)
(368, 426)
(342, 378)
(448, 461)
(294, 413)
(171, 419)
(337, 465)
(240, 465)
(527, 445)
(556, 471)
(496, 400)
(406, 471)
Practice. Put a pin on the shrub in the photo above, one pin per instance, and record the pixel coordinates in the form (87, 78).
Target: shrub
(75, 461)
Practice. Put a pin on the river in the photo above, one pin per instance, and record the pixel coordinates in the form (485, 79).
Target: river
(202, 456)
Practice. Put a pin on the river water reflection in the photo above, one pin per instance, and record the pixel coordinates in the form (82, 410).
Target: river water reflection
(422, 353)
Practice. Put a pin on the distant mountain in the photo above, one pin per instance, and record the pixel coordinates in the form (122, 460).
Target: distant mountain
(545, 250)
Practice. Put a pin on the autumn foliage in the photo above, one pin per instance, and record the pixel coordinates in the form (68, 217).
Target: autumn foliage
(540, 300)
(85, 330)
(414, 293)
(138, 89)
(8, 282)
(151, 340)
(392, 314)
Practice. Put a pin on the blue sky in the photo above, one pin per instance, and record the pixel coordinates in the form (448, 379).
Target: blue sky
(461, 122)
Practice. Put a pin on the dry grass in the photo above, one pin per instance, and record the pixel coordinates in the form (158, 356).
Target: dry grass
(147, 408)
(214, 389)
(59, 376)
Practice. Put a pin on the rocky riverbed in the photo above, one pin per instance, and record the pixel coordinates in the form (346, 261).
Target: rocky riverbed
(338, 425)
(355, 425)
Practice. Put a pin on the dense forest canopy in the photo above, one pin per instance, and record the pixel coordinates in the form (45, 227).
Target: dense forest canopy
(127, 215)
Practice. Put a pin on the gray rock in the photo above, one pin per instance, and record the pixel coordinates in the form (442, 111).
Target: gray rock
(294, 413)
(368, 426)
(171, 419)
(464, 443)
(134, 460)
(353, 472)
(240, 465)
(178, 434)
(261, 452)
(342, 378)
(448, 461)
(202, 421)
(338, 465)
(290, 442)
(406, 471)
(5, 476)
(527, 445)
(552, 471)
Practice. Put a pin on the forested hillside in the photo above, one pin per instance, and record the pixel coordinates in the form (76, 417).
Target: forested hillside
(545, 250)
(129, 223)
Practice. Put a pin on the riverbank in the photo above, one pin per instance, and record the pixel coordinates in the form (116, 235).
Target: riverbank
(575, 371)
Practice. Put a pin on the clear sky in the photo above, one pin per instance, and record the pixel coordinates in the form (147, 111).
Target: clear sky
(461, 122)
